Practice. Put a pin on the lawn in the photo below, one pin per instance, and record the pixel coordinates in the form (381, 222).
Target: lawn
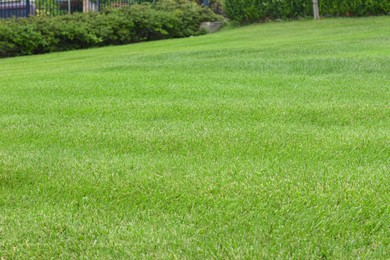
(265, 141)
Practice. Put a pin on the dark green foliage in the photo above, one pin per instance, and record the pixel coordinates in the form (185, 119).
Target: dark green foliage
(136, 23)
(247, 11)
(19, 37)
(354, 7)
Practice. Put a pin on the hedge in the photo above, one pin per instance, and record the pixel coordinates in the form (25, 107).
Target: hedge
(135, 23)
(248, 11)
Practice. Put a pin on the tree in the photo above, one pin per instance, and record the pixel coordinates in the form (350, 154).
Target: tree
(316, 11)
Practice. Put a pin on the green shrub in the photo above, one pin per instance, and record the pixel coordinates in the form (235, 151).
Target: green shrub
(19, 37)
(189, 14)
(354, 7)
(247, 11)
(129, 24)
(67, 32)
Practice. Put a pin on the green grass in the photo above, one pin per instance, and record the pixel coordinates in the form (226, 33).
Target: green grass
(267, 141)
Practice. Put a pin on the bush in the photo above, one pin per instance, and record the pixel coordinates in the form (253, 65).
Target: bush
(18, 37)
(135, 23)
(354, 7)
(248, 11)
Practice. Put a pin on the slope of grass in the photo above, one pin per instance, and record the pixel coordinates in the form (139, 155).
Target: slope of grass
(260, 142)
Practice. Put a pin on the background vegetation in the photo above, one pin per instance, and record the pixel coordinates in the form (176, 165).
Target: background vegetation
(135, 23)
(261, 142)
(249, 11)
